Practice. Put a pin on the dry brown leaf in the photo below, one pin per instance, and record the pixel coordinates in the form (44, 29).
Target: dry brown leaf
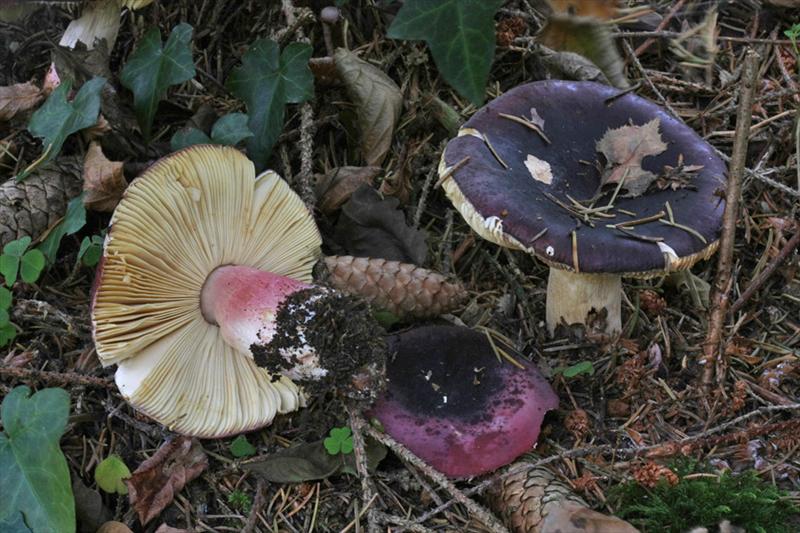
(335, 188)
(539, 169)
(624, 148)
(18, 98)
(153, 485)
(103, 180)
(378, 103)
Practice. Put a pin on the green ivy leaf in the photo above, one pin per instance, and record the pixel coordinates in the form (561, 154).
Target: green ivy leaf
(266, 81)
(35, 483)
(460, 35)
(231, 129)
(90, 251)
(151, 69)
(185, 137)
(241, 447)
(110, 474)
(73, 220)
(31, 265)
(57, 119)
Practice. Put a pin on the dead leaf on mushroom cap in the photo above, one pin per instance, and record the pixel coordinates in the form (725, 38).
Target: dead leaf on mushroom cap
(378, 103)
(103, 180)
(18, 98)
(370, 226)
(153, 485)
(624, 148)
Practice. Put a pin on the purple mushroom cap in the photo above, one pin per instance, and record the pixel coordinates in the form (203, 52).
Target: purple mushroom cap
(576, 115)
(454, 404)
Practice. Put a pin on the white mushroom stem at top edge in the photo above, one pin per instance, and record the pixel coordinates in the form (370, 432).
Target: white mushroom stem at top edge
(572, 296)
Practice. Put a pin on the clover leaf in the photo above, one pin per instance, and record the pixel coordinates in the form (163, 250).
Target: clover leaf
(110, 474)
(241, 447)
(17, 258)
(228, 130)
(340, 441)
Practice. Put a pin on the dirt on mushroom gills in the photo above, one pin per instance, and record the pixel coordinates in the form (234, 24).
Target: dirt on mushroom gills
(326, 340)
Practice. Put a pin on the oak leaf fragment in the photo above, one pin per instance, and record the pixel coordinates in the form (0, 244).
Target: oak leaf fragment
(153, 485)
(624, 149)
(103, 180)
(18, 98)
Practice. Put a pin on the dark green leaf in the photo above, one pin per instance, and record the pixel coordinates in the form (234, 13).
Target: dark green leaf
(151, 69)
(90, 251)
(584, 367)
(110, 474)
(187, 137)
(460, 34)
(5, 298)
(73, 220)
(11, 257)
(35, 480)
(7, 334)
(266, 81)
(241, 447)
(231, 129)
(57, 119)
(31, 265)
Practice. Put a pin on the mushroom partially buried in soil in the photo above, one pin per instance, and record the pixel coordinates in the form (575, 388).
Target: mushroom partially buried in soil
(524, 173)
(205, 273)
(453, 402)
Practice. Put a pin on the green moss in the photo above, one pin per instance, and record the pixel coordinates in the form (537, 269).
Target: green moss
(240, 501)
(744, 499)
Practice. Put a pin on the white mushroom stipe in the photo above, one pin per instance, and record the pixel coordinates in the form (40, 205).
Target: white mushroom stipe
(572, 297)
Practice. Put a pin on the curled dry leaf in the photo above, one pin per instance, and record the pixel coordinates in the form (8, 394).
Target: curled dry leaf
(153, 485)
(103, 180)
(378, 103)
(599, 9)
(335, 188)
(370, 226)
(624, 149)
(18, 98)
(114, 527)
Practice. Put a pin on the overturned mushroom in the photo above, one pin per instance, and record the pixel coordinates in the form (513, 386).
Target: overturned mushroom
(205, 268)
(453, 403)
(523, 174)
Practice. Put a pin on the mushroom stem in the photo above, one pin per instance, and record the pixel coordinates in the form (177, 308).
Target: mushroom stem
(244, 301)
(572, 296)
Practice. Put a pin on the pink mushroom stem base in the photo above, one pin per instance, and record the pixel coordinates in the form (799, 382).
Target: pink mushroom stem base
(244, 301)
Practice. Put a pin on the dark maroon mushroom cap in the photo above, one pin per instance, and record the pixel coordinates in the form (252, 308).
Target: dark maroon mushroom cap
(577, 115)
(454, 404)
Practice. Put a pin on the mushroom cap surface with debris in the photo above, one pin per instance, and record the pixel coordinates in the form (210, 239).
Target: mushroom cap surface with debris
(455, 404)
(518, 206)
(189, 213)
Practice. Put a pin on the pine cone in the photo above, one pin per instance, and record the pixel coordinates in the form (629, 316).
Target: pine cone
(651, 302)
(533, 501)
(403, 289)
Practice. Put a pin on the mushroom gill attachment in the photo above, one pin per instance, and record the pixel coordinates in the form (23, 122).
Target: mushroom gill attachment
(189, 214)
(525, 172)
(452, 402)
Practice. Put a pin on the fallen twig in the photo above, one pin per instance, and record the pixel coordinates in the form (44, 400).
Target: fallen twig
(712, 345)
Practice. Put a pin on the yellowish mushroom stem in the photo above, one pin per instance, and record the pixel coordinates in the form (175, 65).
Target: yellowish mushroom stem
(572, 297)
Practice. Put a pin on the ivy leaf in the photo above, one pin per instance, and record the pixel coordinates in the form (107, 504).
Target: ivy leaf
(460, 34)
(35, 482)
(241, 447)
(231, 129)
(266, 81)
(110, 474)
(74, 219)
(185, 137)
(228, 130)
(57, 119)
(151, 69)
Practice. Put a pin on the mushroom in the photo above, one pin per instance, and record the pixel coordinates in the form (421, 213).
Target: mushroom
(455, 404)
(205, 273)
(522, 173)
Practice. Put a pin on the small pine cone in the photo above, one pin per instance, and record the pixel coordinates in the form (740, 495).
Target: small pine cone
(651, 302)
(578, 423)
(534, 501)
(403, 289)
(649, 475)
